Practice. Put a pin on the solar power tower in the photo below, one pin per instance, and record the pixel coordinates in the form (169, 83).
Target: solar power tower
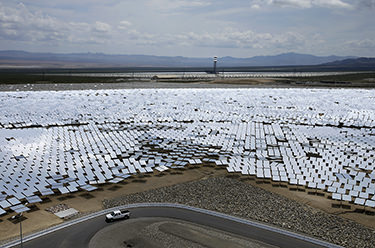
(215, 61)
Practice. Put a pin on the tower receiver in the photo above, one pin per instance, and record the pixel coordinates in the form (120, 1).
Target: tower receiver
(215, 61)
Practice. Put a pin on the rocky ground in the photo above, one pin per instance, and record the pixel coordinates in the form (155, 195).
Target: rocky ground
(231, 196)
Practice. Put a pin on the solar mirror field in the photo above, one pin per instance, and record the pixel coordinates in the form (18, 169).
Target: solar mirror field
(68, 141)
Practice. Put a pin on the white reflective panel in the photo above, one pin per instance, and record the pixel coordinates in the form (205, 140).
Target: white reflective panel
(364, 195)
(359, 201)
(347, 198)
(116, 180)
(63, 190)
(5, 204)
(370, 203)
(88, 187)
(14, 201)
(336, 196)
(46, 192)
(20, 208)
(33, 199)
(341, 190)
(2, 211)
(2, 197)
(301, 136)
(72, 188)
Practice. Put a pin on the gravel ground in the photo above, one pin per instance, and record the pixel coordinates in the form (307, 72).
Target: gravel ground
(236, 198)
(201, 236)
(167, 233)
(57, 208)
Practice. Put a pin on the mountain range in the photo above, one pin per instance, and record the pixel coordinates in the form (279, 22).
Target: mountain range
(359, 62)
(57, 60)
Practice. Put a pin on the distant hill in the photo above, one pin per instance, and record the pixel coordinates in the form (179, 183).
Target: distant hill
(355, 63)
(286, 59)
(22, 58)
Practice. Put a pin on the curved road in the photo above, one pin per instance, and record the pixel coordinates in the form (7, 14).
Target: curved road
(79, 235)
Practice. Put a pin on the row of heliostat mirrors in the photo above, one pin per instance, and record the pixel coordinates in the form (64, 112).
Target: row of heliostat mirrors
(62, 142)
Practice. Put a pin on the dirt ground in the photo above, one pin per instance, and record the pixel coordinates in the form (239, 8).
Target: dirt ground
(49, 86)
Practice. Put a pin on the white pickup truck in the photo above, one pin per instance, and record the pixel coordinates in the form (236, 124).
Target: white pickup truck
(117, 215)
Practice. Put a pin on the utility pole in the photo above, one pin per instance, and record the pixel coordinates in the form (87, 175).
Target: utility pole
(19, 216)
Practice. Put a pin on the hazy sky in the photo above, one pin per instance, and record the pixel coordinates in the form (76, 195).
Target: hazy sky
(196, 28)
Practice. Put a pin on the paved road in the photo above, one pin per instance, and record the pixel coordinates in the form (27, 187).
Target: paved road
(79, 235)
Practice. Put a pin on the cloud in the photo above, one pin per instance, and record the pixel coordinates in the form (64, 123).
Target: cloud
(332, 4)
(102, 27)
(255, 6)
(232, 38)
(303, 3)
(189, 28)
(175, 5)
(361, 44)
(292, 3)
(22, 24)
(19, 23)
(124, 25)
(370, 4)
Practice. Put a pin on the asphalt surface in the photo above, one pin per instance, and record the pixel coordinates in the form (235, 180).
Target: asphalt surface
(79, 235)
